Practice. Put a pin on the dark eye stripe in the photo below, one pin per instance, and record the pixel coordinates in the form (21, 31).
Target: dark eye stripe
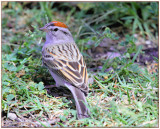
(49, 24)
(64, 32)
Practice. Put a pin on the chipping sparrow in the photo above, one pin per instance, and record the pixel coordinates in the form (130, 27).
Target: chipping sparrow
(61, 56)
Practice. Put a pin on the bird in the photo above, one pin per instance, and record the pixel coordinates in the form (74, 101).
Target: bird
(65, 63)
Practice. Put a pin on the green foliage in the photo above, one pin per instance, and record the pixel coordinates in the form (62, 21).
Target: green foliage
(141, 22)
(139, 17)
(127, 81)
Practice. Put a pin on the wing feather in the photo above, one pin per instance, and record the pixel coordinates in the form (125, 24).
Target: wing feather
(71, 69)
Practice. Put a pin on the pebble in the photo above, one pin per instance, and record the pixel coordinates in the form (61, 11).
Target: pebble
(12, 116)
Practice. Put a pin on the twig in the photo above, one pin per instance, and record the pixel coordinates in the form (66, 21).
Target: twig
(29, 113)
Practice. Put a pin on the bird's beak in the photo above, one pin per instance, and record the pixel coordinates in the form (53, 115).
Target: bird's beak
(43, 29)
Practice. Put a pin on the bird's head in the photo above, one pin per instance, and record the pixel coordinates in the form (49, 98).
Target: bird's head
(56, 30)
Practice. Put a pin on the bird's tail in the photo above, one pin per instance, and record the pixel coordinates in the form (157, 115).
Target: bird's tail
(81, 103)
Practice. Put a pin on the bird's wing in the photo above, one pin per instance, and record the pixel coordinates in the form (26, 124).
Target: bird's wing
(66, 61)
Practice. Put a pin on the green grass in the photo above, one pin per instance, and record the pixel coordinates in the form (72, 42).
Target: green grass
(127, 96)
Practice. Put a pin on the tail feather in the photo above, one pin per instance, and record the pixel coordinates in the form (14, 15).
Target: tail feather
(81, 103)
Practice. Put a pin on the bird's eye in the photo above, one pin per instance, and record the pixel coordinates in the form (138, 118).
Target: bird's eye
(55, 29)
